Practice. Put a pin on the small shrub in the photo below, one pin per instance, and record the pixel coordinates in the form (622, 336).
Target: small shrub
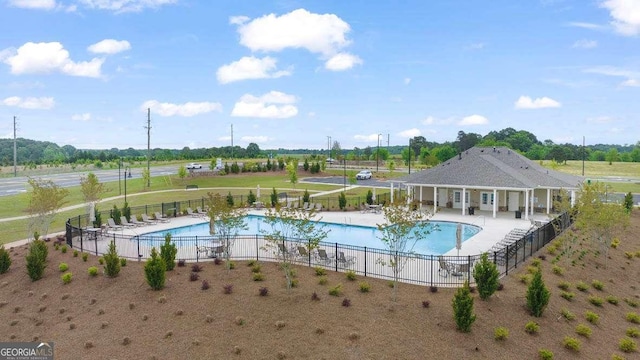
(322, 280)
(545, 354)
(320, 271)
(280, 324)
(463, 308)
(182, 263)
(564, 285)
(567, 295)
(346, 302)
(85, 257)
(628, 345)
(36, 259)
(256, 268)
(633, 318)
(426, 303)
(592, 317)
(250, 263)
(500, 333)
(532, 269)
(126, 341)
(557, 270)
(227, 289)
(93, 271)
(194, 277)
(524, 278)
(632, 302)
(263, 291)
(612, 300)
(217, 261)
(75, 253)
(63, 249)
(123, 262)
(162, 299)
(295, 283)
(258, 276)
(433, 289)
(205, 285)
(63, 267)
(101, 261)
(168, 252)
(598, 285)
(567, 314)
(615, 243)
(571, 343)
(66, 278)
(364, 287)
(196, 268)
(351, 275)
(315, 296)
(532, 327)
(582, 286)
(633, 332)
(628, 254)
(5, 260)
(500, 287)
(231, 265)
(583, 330)
(487, 276)
(336, 290)
(132, 306)
(536, 262)
(595, 300)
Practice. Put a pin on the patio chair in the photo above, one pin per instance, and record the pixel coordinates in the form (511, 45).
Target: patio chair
(282, 250)
(126, 223)
(305, 206)
(323, 257)
(161, 218)
(318, 207)
(303, 254)
(444, 266)
(192, 213)
(200, 211)
(345, 261)
(147, 220)
(134, 220)
(310, 207)
(112, 224)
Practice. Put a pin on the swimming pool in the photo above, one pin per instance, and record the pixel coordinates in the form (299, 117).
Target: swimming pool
(441, 239)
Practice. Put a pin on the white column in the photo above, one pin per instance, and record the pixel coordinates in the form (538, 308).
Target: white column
(526, 204)
(464, 200)
(409, 195)
(420, 189)
(392, 193)
(435, 199)
(495, 202)
(548, 201)
(531, 203)
(573, 198)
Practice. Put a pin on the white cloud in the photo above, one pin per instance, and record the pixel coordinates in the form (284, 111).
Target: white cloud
(109, 46)
(273, 105)
(32, 58)
(476, 46)
(407, 81)
(474, 120)
(34, 4)
(632, 76)
(238, 20)
(625, 14)
(81, 117)
(526, 102)
(249, 67)
(631, 83)
(255, 139)
(585, 44)
(600, 119)
(586, 25)
(409, 133)
(120, 6)
(366, 138)
(42, 103)
(225, 138)
(342, 61)
(431, 120)
(187, 109)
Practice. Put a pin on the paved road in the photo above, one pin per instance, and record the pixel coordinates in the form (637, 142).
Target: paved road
(12, 186)
(339, 180)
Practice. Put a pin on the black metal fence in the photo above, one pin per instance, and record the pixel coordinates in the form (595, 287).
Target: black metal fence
(436, 270)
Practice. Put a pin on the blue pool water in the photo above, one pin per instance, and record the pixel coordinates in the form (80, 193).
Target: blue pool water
(441, 239)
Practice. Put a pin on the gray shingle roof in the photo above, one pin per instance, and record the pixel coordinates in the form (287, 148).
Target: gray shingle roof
(490, 167)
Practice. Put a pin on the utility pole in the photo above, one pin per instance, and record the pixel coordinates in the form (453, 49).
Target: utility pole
(583, 155)
(329, 147)
(15, 151)
(410, 150)
(388, 137)
(232, 141)
(148, 127)
(378, 153)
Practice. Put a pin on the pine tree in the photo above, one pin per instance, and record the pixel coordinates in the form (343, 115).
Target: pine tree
(537, 295)
(168, 252)
(37, 259)
(111, 261)
(463, 308)
(487, 277)
(5, 260)
(154, 271)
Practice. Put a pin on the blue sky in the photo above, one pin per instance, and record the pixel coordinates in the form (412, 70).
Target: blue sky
(290, 73)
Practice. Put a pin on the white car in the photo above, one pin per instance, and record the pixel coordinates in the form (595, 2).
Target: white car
(363, 175)
(192, 166)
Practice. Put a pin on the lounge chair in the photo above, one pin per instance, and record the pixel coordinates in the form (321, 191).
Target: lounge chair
(282, 250)
(161, 218)
(303, 254)
(134, 220)
(318, 207)
(126, 223)
(310, 207)
(305, 206)
(112, 224)
(294, 205)
(147, 220)
(444, 266)
(323, 257)
(193, 214)
(200, 211)
(345, 261)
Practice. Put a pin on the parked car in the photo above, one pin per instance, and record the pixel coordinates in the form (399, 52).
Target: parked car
(363, 175)
(192, 166)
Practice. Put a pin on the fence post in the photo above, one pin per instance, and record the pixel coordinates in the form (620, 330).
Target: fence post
(257, 249)
(335, 257)
(365, 261)
(506, 260)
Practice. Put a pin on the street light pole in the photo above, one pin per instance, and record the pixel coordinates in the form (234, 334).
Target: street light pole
(410, 150)
(126, 169)
(378, 153)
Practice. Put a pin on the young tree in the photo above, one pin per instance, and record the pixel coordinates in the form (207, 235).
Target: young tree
(628, 202)
(45, 200)
(487, 277)
(463, 308)
(146, 178)
(5, 260)
(369, 197)
(111, 261)
(182, 172)
(230, 200)
(168, 252)
(352, 178)
(92, 191)
(274, 198)
(251, 198)
(292, 171)
(154, 270)
(288, 223)
(225, 222)
(305, 196)
(537, 295)
(399, 233)
(36, 259)
(342, 201)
